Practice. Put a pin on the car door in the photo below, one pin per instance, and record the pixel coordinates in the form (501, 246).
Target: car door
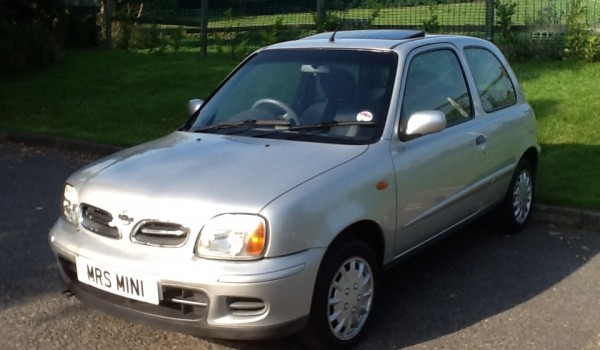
(440, 178)
(505, 121)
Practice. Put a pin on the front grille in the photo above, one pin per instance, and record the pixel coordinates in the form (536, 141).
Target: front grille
(177, 303)
(160, 234)
(98, 221)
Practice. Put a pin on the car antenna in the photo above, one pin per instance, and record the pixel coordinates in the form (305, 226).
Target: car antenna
(332, 38)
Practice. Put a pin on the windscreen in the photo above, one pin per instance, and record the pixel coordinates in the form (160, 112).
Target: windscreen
(309, 95)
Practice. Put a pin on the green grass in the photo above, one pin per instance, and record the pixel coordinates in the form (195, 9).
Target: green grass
(566, 99)
(109, 96)
(125, 98)
(471, 13)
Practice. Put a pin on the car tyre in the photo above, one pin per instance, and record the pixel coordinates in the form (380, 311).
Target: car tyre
(515, 210)
(343, 297)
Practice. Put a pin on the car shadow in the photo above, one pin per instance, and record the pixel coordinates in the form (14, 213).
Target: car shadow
(544, 108)
(472, 275)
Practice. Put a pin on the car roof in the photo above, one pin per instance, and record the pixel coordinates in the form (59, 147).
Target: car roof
(377, 39)
(389, 34)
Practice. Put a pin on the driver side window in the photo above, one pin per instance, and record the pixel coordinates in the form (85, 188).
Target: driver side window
(435, 81)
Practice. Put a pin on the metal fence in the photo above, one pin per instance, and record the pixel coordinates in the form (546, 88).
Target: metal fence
(240, 26)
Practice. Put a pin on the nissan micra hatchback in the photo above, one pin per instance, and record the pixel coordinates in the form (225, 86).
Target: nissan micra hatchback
(313, 166)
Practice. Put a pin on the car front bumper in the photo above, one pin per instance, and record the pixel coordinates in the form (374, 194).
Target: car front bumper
(260, 299)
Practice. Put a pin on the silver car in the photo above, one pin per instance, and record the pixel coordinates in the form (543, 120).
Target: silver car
(316, 164)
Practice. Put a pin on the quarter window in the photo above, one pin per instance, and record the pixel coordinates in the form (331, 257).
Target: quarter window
(494, 86)
(435, 81)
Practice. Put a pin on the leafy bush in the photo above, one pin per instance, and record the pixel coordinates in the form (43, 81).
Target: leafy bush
(517, 47)
(124, 35)
(432, 24)
(548, 15)
(81, 27)
(133, 36)
(581, 43)
(328, 23)
(504, 13)
(177, 37)
(273, 34)
(31, 33)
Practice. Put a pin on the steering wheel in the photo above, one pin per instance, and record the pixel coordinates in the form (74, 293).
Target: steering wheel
(289, 113)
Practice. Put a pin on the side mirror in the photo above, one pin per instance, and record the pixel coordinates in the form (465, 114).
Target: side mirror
(424, 123)
(194, 105)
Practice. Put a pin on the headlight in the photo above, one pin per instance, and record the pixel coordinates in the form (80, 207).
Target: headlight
(70, 201)
(233, 236)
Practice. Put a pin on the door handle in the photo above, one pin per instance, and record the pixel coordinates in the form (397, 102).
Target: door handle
(481, 139)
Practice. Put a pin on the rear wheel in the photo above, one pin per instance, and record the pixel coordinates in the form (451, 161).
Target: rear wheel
(343, 297)
(515, 211)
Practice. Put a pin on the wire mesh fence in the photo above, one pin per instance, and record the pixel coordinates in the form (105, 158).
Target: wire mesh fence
(238, 27)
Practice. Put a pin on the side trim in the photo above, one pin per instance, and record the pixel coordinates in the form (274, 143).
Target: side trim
(459, 196)
(504, 172)
(433, 238)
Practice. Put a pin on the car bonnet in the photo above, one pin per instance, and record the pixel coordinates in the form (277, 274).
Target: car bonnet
(214, 172)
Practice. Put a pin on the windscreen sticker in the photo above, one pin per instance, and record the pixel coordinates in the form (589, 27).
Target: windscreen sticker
(364, 116)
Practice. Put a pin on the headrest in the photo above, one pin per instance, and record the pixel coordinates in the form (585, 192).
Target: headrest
(338, 84)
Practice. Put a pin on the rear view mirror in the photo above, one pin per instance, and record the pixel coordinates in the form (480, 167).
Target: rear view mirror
(194, 105)
(424, 123)
(309, 68)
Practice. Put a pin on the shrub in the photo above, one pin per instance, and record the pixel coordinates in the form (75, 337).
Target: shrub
(273, 34)
(31, 33)
(581, 43)
(328, 23)
(432, 24)
(504, 13)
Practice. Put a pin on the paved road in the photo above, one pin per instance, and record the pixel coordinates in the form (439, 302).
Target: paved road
(478, 289)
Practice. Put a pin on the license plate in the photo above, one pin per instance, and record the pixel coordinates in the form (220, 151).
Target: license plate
(129, 284)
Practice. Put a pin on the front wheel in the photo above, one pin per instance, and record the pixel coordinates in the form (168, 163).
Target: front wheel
(515, 211)
(343, 297)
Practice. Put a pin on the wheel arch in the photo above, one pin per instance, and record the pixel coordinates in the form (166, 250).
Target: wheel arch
(533, 157)
(367, 231)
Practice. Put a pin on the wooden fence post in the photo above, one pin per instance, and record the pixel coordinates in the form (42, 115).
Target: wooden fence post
(204, 28)
(320, 12)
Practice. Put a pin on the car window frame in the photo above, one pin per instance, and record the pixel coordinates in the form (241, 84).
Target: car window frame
(401, 122)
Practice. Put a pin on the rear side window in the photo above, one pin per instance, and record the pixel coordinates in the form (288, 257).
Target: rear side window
(494, 86)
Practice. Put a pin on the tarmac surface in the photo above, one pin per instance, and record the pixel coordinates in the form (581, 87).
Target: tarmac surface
(477, 289)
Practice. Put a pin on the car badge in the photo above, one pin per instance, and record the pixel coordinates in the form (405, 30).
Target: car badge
(124, 216)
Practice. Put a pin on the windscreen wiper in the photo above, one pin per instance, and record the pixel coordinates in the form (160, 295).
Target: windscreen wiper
(319, 126)
(248, 123)
(330, 124)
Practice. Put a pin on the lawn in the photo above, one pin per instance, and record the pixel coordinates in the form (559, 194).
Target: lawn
(461, 13)
(111, 97)
(566, 99)
(125, 98)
